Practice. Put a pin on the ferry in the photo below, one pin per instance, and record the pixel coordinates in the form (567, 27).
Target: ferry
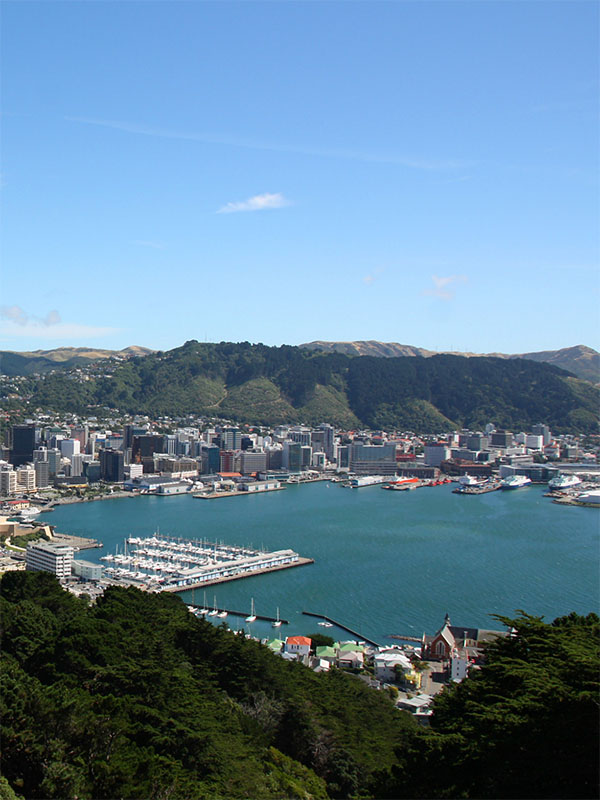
(562, 482)
(515, 482)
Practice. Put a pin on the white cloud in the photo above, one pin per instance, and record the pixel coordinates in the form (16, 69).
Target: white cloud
(18, 316)
(444, 286)
(259, 202)
(373, 276)
(16, 323)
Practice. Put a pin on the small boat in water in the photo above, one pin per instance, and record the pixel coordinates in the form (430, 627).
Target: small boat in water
(214, 611)
(204, 609)
(277, 622)
(252, 616)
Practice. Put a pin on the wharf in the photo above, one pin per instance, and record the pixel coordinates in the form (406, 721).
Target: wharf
(217, 495)
(300, 562)
(343, 627)
(477, 489)
(405, 638)
(78, 542)
(243, 614)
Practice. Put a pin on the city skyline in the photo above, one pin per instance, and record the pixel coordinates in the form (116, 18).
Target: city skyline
(416, 173)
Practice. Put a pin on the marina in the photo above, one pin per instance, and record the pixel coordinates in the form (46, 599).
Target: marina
(164, 563)
(384, 563)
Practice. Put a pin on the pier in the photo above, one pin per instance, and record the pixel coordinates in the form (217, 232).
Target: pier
(343, 627)
(299, 562)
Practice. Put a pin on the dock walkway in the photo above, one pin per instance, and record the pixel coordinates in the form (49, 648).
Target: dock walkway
(337, 624)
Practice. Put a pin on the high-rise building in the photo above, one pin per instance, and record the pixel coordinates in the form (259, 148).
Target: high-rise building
(22, 444)
(231, 439)
(80, 432)
(292, 456)
(76, 465)
(210, 459)
(111, 466)
(53, 461)
(542, 430)
(252, 462)
(69, 447)
(42, 474)
(435, 453)
(328, 439)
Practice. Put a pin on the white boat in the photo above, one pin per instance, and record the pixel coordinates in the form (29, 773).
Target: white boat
(562, 482)
(515, 482)
(252, 616)
(204, 609)
(277, 622)
(471, 480)
(215, 610)
(221, 614)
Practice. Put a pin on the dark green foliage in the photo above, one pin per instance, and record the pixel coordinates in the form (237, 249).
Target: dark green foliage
(292, 384)
(137, 698)
(525, 726)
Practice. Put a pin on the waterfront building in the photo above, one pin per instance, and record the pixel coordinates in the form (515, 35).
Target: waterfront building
(435, 453)
(291, 456)
(306, 451)
(92, 471)
(211, 462)
(86, 570)
(251, 462)
(49, 557)
(372, 459)
(22, 444)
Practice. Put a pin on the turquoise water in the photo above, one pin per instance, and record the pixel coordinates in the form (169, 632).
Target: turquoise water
(385, 562)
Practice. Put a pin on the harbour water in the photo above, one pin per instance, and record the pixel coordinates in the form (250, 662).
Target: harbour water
(385, 562)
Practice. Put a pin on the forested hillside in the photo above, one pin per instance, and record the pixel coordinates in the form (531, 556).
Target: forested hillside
(260, 384)
(137, 698)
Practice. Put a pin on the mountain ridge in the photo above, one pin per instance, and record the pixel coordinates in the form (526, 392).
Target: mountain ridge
(581, 360)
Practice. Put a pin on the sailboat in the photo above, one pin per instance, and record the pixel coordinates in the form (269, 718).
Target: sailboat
(204, 609)
(222, 614)
(252, 616)
(213, 613)
(277, 622)
(192, 607)
(325, 624)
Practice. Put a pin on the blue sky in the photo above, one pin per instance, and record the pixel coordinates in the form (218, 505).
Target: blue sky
(425, 173)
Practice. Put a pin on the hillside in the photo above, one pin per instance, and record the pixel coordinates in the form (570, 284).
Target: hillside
(136, 698)
(41, 361)
(270, 385)
(582, 361)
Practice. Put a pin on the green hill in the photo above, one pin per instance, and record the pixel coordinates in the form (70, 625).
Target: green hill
(268, 385)
(137, 698)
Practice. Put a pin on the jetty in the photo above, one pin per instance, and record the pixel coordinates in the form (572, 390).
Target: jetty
(244, 614)
(343, 627)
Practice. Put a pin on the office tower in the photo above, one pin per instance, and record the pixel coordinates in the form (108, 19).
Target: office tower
(111, 466)
(371, 459)
(76, 465)
(22, 444)
(69, 448)
(292, 456)
(53, 461)
(328, 440)
(42, 474)
(231, 439)
(49, 557)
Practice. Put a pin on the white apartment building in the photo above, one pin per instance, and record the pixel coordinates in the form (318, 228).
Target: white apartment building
(8, 482)
(26, 479)
(49, 557)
